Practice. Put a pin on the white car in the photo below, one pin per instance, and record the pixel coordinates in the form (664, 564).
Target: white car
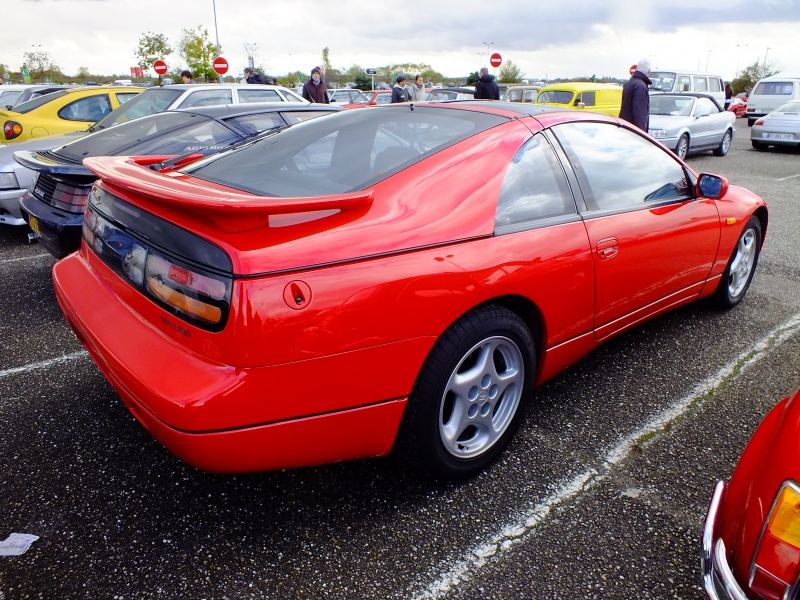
(687, 123)
(781, 127)
(347, 96)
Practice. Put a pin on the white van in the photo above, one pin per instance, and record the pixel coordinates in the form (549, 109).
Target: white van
(688, 81)
(123, 82)
(769, 94)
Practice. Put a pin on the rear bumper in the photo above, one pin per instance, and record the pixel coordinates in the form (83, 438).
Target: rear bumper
(60, 231)
(718, 579)
(223, 418)
(10, 213)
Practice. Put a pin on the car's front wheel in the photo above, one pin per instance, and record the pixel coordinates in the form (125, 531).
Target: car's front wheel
(724, 145)
(682, 149)
(466, 404)
(741, 266)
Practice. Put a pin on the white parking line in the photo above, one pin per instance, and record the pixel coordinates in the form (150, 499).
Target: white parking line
(524, 526)
(10, 260)
(789, 177)
(43, 364)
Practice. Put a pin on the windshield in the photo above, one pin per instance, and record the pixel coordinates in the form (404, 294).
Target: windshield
(774, 88)
(343, 152)
(671, 105)
(663, 80)
(555, 97)
(164, 133)
(789, 107)
(35, 103)
(154, 100)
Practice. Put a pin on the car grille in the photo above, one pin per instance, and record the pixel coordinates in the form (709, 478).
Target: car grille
(60, 194)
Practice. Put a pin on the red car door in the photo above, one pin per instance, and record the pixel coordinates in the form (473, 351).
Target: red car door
(653, 242)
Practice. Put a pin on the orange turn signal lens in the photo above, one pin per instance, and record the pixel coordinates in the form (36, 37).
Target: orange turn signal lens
(784, 523)
(190, 306)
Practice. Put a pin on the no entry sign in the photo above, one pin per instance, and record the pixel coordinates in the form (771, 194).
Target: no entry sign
(495, 60)
(220, 65)
(160, 67)
(633, 69)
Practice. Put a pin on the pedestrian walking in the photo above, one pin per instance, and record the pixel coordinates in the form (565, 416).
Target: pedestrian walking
(486, 88)
(315, 90)
(399, 91)
(417, 90)
(635, 107)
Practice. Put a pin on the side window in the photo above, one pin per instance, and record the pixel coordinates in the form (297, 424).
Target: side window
(91, 109)
(383, 99)
(714, 84)
(207, 98)
(246, 95)
(588, 98)
(684, 84)
(700, 84)
(529, 96)
(123, 97)
(618, 169)
(253, 124)
(297, 116)
(704, 105)
(534, 186)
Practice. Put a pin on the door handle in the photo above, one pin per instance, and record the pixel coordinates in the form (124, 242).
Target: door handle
(607, 248)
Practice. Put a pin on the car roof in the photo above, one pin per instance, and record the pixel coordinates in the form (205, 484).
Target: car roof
(213, 86)
(235, 110)
(582, 85)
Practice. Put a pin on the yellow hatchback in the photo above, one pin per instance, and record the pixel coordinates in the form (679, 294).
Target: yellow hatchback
(73, 109)
(604, 98)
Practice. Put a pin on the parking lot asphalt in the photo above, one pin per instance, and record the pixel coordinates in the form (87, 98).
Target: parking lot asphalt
(601, 495)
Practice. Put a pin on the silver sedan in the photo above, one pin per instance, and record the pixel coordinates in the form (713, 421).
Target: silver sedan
(781, 127)
(687, 123)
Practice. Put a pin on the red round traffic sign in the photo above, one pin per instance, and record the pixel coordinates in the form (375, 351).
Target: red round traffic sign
(160, 67)
(495, 60)
(220, 65)
(633, 69)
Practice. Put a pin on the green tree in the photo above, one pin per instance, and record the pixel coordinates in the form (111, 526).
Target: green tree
(198, 51)
(750, 75)
(473, 78)
(363, 82)
(41, 66)
(83, 74)
(152, 47)
(510, 73)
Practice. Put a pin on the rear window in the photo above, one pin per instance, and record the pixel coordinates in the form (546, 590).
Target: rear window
(35, 103)
(774, 88)
(663, 80)
(146, 103)
(343, 152)
(555, 96)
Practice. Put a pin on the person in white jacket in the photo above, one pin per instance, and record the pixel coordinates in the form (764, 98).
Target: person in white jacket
(417, 90)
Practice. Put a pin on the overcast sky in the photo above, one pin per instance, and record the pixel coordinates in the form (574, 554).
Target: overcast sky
(569, 38)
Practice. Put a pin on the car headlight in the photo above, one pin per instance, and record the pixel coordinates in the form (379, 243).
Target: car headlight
(8, 181)
(658, 133)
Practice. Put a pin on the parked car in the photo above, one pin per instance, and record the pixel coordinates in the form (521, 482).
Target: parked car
(67, 110)
(450, 93)
(605, 98)
(751, 538)
(737, 106)
(347, 96)
(56, 199)
(303, 300)
(13, 94)
(374, 98)
(781, 127)
(770, 93)
(521, 93)
(688, 123)
(676, 81)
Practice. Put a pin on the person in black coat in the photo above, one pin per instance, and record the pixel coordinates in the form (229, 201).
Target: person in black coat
(635, 107)
(486, 88)
(253, 77)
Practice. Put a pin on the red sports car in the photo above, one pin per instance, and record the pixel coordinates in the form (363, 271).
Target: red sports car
(376, 98)
(396, 278)
(737, 106)
(751, 540)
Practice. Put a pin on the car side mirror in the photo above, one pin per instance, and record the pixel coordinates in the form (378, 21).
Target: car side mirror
(705, 113)
(711, 186)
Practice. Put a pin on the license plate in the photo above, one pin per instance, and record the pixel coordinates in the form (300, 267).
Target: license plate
(35, 225)
(779, 136)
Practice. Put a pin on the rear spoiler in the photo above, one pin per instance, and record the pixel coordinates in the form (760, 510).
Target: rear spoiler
(229, 209)
(37, 162)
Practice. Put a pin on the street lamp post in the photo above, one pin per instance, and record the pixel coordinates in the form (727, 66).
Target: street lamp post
(739, 58)
(707, 59)
(216, 29)
(487, 47)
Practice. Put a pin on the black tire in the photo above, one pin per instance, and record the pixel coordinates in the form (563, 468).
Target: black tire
(682, 147)
(740, 269)
(724, 145)
(757, 145)
(454, 434)
(750, 122)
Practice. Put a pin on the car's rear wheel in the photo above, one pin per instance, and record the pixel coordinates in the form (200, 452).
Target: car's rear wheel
(682, 148)
(741, 266)
(750, 122)
(466, 404)
(757, 145)
(724, 145)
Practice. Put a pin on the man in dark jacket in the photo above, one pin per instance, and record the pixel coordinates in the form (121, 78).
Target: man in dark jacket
(315, 89)
(635, 98)
(486, 88)
(253, 77)
(399, 91)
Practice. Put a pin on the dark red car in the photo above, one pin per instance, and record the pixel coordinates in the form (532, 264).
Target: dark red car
(376, 98)
(751, 540)
(397, 278)
(737, 106)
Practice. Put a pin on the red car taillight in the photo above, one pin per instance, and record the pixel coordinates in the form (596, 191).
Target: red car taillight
(12, 129)
(776, 564)
(757, 123)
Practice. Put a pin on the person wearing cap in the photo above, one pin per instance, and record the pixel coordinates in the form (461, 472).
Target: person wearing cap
(635, 107)
(315, 90)
(399, 91)
(253, 76)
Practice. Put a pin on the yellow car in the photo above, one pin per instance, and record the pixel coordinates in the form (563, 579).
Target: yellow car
(604, 98)
(73, 109)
